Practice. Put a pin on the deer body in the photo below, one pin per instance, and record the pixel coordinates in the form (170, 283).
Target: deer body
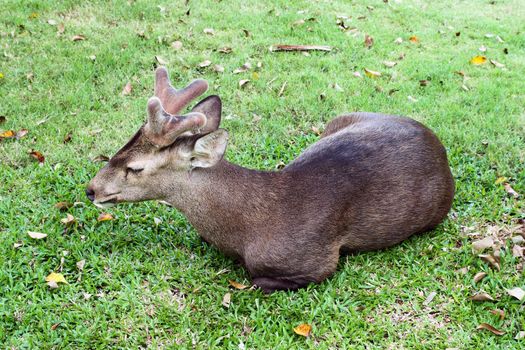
(370, 182)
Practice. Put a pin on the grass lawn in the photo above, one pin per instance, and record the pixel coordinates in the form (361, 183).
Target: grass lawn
(148, 280)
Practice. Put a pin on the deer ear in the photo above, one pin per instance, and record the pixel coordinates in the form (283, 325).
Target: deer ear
(209, 149)
(211, 107)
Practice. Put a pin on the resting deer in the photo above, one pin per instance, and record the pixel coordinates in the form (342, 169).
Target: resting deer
(370, 182)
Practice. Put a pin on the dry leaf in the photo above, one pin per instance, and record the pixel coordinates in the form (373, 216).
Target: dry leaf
(61, 28)
(303, 329)
(52, 22)
(243, 82)
(56, 277)
(424, 82)
(372, 74)
(499, 313)
(413, 39)
(517, 251)
(17, 245)
(275, 48)
(177, 45)
(104, 217)
(205, 63)
(209, 31)
(226, 299)
(86, 296)
(218, 68)
(358, 75)
(490, 328)
(245, 67)
(127, 89)
(237, 285)
(225, 49)
(55, 326)
(63, 206)
(478, 246)
(161, 60)
(429, 298)
(38, 156)
(7, 134)
(68, 220)
(477, 60)
(481, 297)
(479, 276)
(510, 190)
(497, 64)
(389, 64)
(52, 284)
(369, 41)
(491, 259)
(298, 22)
(483, 48)
(101, 158)
(78, 38)
(520, 335)
(21, 133)
(36, 235)
(517, 293)
(81, 264)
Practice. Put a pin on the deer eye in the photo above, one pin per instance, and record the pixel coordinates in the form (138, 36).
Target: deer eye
(133, 171)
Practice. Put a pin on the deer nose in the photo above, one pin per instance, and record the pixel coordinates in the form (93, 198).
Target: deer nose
(90, 193)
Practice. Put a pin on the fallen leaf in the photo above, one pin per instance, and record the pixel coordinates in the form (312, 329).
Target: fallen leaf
(52, 22)
(517, 251)
(237, 285)
(7, 134)
(483, 48)
(55, 326)
(38, 156)
(157, 221)
(205, 63)
(246, 33)
(389, 64)
(243, 82)
(479, 276)
(517, 239)
(398, 41)
(209, 31)
(510, 190)
(67, 138)
(369, 41)
(303, 329)
(481, 297)
(245, 67)
(61, 28)
(520, 335)
(52, 284)
(218, 68)
(226, 299)
(478, 60)
(357, 74)
(63, 206)
(499, 313)
(372, 74)
(491, 259)
(104, 217)
(37, 235)
(81, 264)
(517, 293)
(429, 298)
(78, 37)
(298, 22)
(424, 82)
(413, 39)
(177, 45)
(17, 245)
(478, 246)
(86, 296)
(490, 328)
(275, 48)
(56, 277)
(68, 220)
(161, 60)
(127, 89)
(101, 158)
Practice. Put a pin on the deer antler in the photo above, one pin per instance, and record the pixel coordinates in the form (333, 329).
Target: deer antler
(174, 100)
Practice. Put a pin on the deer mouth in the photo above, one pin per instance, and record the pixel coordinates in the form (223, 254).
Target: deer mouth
(107, 202)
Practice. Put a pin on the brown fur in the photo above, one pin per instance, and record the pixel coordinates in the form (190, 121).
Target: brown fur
(370, 182)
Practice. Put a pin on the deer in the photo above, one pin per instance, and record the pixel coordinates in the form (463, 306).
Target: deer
(370, 182)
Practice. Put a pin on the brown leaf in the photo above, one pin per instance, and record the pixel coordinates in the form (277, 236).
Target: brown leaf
(67, 138)
(499, 313)
(369, 41)
(303, 329)
(490, 328)
(481, 297)
(226, 300)
(63, 206)
(478, 246)
(424, 82)
(127, 89)
(413, 39)
(38, 156)
(225, 50)
(7, 134)
(104, 217)
(237, 285)
(491, 260)
(517, 251)
(478, 60)
(21, 133)
(245, 67)
(55, 326)
(205, 63)
(101, 158)
(243, 82)
(372, 74)
(510, 190)
(68, 220)
(275, 48)
(479, 276)
(81, 264)
(78, 37)
(161, 60)
(517, 293)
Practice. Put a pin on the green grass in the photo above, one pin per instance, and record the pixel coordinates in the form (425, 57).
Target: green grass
(160, 286)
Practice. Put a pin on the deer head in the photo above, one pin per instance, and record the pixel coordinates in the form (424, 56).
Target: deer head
(166, 148)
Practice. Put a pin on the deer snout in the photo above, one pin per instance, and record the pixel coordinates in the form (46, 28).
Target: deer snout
(90, 193)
